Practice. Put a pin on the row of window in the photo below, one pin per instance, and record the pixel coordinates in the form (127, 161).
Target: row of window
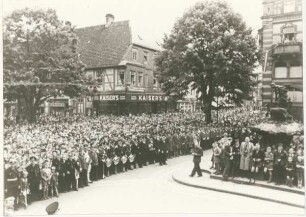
(284, 6)
(136, 79)
(288, 70)
(295, 95)
(135, 56)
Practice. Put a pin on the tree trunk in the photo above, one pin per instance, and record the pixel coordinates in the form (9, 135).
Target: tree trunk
(207, 111)
(31, 115)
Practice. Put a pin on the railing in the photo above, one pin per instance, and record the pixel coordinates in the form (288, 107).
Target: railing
(289, 47)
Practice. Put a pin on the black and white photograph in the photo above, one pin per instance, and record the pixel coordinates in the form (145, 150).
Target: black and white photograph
(133, 107)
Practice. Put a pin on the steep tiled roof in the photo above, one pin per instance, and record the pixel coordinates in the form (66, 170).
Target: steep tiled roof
(101, 47)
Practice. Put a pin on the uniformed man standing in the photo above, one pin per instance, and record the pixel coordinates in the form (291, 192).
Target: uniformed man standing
(34, 178)
(69, 173)
(12, 182)
(197, 154)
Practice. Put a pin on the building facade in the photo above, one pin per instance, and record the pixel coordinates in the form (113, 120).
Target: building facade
(190, 102)
(123, 72)
(281, 42)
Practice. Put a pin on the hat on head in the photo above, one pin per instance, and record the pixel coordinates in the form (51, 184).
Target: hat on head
(33, 157)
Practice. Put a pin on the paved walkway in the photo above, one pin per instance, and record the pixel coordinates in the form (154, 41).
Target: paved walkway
(152, 190)
(265, 192)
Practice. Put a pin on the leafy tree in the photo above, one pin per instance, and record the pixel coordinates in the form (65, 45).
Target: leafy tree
(40, 58)
(209, 47)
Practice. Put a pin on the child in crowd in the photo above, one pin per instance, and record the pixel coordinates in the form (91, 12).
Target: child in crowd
(269, 163)
(290, 171)
(299, 168)
(54, 182)
(46, 176)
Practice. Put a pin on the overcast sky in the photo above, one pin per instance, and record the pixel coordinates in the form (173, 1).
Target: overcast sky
(154, 17)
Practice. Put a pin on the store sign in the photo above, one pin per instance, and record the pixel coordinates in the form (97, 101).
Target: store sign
(111, 97)
(57, 104)
(288, 30)
(150, 98)
(132, 97)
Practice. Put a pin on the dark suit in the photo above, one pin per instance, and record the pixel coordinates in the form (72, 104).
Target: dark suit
(34, 181)
(279, 166)
(70, 174)
(227, 161)
(198, 153)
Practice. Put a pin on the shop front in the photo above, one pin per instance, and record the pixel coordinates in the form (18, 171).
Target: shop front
(129, 103)
(56, 106)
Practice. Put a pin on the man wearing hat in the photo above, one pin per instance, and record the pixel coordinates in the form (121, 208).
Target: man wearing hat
(197, 154)
(34, 177)
(11, 182)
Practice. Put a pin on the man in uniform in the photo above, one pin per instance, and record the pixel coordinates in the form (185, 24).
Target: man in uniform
(56, 161)
(34, 178)
(62, 183)
(175, 141)
(11, 182)
(70, 173)
(83, 169)
(94, 163)
(197, 154)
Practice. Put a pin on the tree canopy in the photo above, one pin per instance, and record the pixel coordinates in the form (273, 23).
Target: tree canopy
(40, 58)
(209, 47)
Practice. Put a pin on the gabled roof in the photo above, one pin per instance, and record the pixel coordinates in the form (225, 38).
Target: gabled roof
(101, 46)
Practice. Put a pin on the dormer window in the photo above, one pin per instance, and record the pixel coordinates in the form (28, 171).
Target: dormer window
(134, 54)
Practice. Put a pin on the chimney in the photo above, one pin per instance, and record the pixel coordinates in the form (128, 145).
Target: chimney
(109, 20)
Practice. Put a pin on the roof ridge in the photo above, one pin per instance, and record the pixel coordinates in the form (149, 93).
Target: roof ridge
(102, 25)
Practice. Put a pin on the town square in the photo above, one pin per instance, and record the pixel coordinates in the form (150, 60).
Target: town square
(153, 107)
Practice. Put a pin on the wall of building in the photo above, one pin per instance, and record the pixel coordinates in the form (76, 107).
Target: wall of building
(282, 32)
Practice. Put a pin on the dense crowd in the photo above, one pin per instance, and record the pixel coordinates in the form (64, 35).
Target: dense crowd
(61, 154)
(253, 160)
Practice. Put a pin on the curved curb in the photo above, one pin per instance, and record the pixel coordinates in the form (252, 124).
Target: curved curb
(242, 182)
(237, 193)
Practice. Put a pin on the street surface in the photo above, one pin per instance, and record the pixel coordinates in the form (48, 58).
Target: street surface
(151, 190)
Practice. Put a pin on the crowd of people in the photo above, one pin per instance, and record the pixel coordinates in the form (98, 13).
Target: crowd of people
(62, 154)
(253, 160)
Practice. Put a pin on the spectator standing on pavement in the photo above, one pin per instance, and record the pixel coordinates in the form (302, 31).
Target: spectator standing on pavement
(300, 168)
(257, 162)
(197, 154)
(269, 158)
(290, 171)
(235, 159)
(280, 158)
(227, 155)
(246, 153)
